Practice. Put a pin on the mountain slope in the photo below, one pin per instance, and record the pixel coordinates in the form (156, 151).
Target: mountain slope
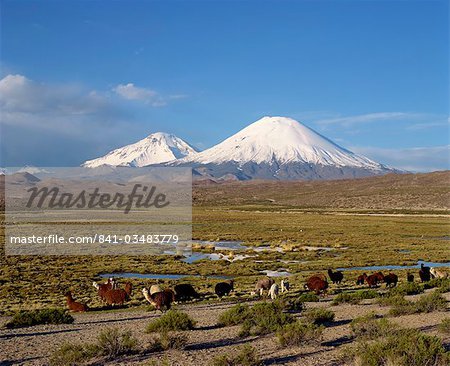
(409, 192)
(281, 148)
(156, 148)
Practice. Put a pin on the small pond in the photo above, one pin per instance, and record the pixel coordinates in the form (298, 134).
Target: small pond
(270, 273)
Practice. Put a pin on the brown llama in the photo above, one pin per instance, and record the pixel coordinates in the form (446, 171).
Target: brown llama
(118, 296)
(317, 284)
(73, 305)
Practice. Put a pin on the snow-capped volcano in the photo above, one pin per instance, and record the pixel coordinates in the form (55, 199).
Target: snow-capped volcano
(156, 148)
(280, 148)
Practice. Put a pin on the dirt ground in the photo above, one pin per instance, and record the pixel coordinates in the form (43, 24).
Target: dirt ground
(33, 345)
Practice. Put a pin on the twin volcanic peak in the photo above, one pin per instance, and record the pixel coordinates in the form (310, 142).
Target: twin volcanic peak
(270, 148)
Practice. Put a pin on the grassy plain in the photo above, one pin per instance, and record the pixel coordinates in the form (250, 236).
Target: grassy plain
(391, 220)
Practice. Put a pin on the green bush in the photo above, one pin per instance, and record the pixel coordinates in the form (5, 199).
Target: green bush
(408, 288)
(369, 327)
(246, 356)
(172, 320)
(299, 333)
(27, 318)
(112, 342)
(173, 340)
(308, 297)
(437, 282)
(70, 355)
(295, 304)
(397, 300)
(234, 316)
(264, 318)
(407, 347)
(426, 304)
(355, 297)
(444, 286)
(319, 316)
(444, 327)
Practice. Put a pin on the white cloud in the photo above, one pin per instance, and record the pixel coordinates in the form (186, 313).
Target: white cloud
(348, 121)
(416, 159)
(56, 124)
(131, 92)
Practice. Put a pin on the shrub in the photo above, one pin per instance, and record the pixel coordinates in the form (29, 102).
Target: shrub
(437, 282)
(343, 297)
(369, 327)
(27, 318)
(408, 288)
(70, 355)
(299, 333)
(294, 305)
(355, 297)
(407, 347)
(444, 286)
(234, 316)
(264, 318)
(431, 302)
(247, 356)
(444, 327)
(173, 340)
(319, 316)
(397, 300)
(172, 320)
(308, 297)
(426, 304)
(112, 342)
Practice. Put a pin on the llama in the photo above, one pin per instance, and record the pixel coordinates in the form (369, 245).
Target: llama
(118, 296)
(437, 273)
(160, 299)
(335, 277)
(361, 279)
(263, 284)
(273, 291)
(391, 280)
(154, 289)
(317, 284)
(410, 277)
(185, 292)
(102, 288)
(374, 279)
(424, 273)
(284, 286)
(224, 288)
(73, 305)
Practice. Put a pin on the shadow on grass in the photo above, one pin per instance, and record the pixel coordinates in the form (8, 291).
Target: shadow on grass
(216, 344)
(282, 360)
(338, 341)
(33, 334)
(22, 361)
(337, 323)
(115, 320)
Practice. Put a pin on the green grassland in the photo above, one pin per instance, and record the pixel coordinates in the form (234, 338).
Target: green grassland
(359, 236)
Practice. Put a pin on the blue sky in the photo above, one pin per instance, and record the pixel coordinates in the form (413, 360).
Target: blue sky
(79, 78)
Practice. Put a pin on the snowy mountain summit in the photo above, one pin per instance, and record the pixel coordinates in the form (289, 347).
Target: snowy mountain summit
(280, 140)
(270, 148)
(280, 148)
(156, 148)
